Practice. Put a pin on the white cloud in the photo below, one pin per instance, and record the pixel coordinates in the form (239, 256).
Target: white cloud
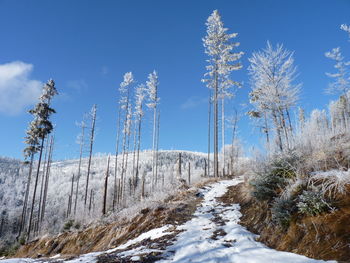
(17, 90)
(193, 102)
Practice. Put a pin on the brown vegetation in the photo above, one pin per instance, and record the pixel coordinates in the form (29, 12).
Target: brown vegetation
(326, 236)
(176, 210)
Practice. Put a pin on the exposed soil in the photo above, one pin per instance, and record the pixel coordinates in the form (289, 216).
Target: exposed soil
(176, 211)
(326, 236)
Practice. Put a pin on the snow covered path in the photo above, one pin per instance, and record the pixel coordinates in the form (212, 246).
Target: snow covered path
(213, 235)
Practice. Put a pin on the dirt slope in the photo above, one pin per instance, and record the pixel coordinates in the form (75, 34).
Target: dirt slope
(175, 211)
(326, 236)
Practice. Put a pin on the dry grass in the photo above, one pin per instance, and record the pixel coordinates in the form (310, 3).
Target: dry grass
(324, 237)
(175, 210)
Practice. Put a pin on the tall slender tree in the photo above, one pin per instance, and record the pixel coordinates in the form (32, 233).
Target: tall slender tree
(92, 139)
(125, 90)
(221, 62)
(42, 112)
(152, 85)
(81, 141)
(139, 100)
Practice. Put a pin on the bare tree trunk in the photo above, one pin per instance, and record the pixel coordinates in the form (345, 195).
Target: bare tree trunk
(223, 134)
(209, 128)
(71, 197)
(179, 169)
(116, 161)
(138, 150)
(189, 173)
(233, 139)
(134, 157)
(266, 130)
(35, 188)
(105, 189)
(154, 145)
(157, 146)
(47, 176)
(278, 130)
(216, 150)
(25, 203)
(90, 152)
(91, 196)
(42, 184)
(82, 138)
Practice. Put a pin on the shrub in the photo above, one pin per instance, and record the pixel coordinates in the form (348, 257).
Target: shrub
(265, 186)
(68, 225)
(282, 211)
(269, 183)
(312, 203)
(77, 225)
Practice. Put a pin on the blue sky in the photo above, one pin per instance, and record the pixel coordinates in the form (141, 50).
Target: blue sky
(87, 46)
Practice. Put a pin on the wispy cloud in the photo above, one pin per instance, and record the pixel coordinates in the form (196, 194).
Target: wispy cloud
(193, 102)
(17, 90)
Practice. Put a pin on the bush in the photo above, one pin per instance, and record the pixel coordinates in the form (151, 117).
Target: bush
(274, 178)
(282, 211)
(312, 203)
(266, 186)
(68, 225)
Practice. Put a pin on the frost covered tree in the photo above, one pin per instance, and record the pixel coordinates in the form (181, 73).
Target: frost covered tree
(92, 138)
(152, 90)
(340, 85)
(81, 142)
(272, 73)
(221, 62)
(341, 78)
(139, 100)
(42, 127)
(126, 108)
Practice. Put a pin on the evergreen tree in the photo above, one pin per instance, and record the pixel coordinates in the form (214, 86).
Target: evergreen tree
(41, 128)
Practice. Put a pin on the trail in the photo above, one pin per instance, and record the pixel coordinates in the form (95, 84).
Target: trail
(213, 235)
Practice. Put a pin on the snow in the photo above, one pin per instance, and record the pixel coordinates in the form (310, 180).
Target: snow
(213, 235)
(238, 245)
(152, 234)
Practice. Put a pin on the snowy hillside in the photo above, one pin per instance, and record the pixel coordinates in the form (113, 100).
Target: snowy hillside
(14, 175)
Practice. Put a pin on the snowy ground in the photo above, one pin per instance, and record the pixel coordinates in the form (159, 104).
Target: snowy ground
(213, 235)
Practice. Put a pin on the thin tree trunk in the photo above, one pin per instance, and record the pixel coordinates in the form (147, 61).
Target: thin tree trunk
(154, 145)
(278, 130)
(105, 189)
(216, 148)
(189, 173)
(223, 134)
(116, 161)
(71, 196)
(79, 165)
(25, 203)
(157, 146)
(47, 176)
(90, 153)
(35, 188)
(209, 128)
(138, 149)
(42, 183)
